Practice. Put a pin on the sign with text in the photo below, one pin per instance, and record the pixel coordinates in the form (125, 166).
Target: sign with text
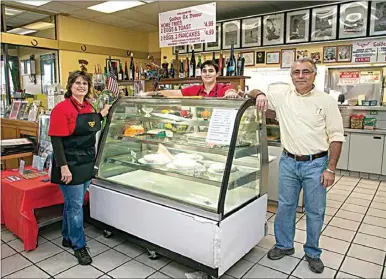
(369, 51)
(348, 78)
(192, 25)
(370, 77)
(221, 126)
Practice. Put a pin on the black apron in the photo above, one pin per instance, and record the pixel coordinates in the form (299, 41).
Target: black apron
(79, 149)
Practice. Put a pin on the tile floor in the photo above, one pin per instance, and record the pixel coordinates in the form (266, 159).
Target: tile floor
(353, 240)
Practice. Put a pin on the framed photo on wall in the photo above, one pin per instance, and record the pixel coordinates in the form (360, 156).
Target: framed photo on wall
(273, 57)
(344, 53)
(196, 47)
(231, 34)
(329, 54)
(249, 58)
(353, 20)
(273, 29)
(260, 57)
(298, 26)
(324, 23)
(251, 32)
(287, 58)
(181, 49)
(378, 18)
(217, 44)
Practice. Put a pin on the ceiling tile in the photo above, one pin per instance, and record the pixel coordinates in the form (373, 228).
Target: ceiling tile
(86, 14)
(108, 19)
(82, 4)
(58, 7)
(139, 17)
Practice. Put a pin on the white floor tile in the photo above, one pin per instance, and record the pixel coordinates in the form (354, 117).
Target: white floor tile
(80, 271)
(373, 230)
(176, 270)
(42, 252)
(354, 208)
(18, 245)
(130, 249)
(381, 222)
(6, 251)
(259, 271)
(369, 181)
(361, 268)
(113, 241)
(334, 204)
(380, 199)
(255, 254)
(365, 191)
(301, 224)
(13, 263)
(299, 251)
(339, 233)
(271, 229)
(267, 242)
(58, 242)
(269, 215)
(286, 264)
(356, 201)
(384, 274)
(331, 211)
(377, 213)
(239, 269)
(156, 264)
(159, 275)
(344, 224)
(300, 236)
(29, 272)
(132, 269)
(378, 205)
(366, 253)
(96, 247)
(335, 197)
(331, 259)
(52, 232)
(370, 241)
(92, 231)
(58, 263)
(333, 245)
(349, 215)
(302, 271)
(7, 236)
(343, 275)
(380, 194)
(105, 276)
(361, 196)
(339, 192)
(366, 186)
(109, 260)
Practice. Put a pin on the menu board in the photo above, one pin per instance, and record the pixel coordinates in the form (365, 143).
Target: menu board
(369, 51)
(192, 25)
(221, 126)
(370, 77)
(348, 78)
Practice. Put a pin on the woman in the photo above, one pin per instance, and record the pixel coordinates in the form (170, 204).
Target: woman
(73, 125)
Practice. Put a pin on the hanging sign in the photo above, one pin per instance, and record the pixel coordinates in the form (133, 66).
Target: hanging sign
(192, 25)
(370, 77)
(369, 51)
(348, 78)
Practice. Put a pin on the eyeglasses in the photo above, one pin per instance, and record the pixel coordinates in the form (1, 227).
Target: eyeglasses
(304, 72)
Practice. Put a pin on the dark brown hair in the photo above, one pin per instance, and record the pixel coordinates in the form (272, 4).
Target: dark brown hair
(209, 63)
(71, 80)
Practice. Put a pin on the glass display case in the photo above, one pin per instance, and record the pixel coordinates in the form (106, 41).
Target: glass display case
(161, 146)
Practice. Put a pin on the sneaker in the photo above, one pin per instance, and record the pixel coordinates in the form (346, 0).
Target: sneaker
(276, 253)
(315, 264)
(83, 256)
(66, 243)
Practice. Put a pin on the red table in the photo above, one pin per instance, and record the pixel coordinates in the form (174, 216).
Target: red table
(20, 198)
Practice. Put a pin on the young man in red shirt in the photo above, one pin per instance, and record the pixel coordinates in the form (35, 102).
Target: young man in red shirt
(208, 88)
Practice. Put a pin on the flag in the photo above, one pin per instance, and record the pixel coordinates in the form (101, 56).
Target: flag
(112, 83)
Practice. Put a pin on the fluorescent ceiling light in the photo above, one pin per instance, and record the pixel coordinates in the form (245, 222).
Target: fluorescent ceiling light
(40, 25)
(114, 6)
(21, 31)
(12, 12)
(148, 1)
(34, 3)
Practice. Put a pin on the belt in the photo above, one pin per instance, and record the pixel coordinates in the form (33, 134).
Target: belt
(305, 157)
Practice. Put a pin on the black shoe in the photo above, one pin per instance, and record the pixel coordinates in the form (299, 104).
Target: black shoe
(83, 256)
(66, 243)
(276, 253)
(315, 264)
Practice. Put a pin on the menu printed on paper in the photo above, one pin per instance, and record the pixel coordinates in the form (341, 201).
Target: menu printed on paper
(348, 78)
(192, 25)
(221, 126)
(369, 51)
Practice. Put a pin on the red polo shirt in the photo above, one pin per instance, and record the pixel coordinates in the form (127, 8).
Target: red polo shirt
(63, 116)
(199, 90)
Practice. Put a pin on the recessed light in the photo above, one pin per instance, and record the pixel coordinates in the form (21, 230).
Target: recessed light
(21, 31)
(114, 6)
(12, 12)
(34, 3)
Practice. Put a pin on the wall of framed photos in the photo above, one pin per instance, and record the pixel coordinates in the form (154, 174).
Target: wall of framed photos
(325, 33)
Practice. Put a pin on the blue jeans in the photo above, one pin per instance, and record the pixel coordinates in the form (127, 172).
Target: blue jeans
(293, 176)
(72, 225)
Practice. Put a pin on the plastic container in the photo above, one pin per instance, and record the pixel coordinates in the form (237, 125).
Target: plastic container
(369, 123)
(352, 102)
(365, 103)
(356, 121)
(373, 102)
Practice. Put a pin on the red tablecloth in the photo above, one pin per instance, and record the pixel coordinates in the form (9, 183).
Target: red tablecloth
(20, 198)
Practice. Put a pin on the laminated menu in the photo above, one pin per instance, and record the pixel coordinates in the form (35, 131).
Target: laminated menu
(221, 126)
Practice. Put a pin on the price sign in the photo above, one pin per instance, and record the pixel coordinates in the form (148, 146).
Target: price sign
(187, 26)
(221, 126)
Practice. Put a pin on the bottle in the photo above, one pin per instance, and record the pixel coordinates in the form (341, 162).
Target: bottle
(120, 72)
(232, 62)
(132, 67)
(198, 67)
(186, 68)
(171, 72)
(126, 77)
(214, 57)
(137, 71)
(182, 74)
(220, 64)
(176, 63)
(165, 66)
(226, 68)
(192, 65)
(240, 64)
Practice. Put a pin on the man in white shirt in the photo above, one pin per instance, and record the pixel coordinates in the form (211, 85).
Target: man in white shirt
(310, 126)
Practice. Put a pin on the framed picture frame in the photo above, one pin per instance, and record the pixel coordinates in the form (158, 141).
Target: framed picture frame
(273, 29)
(344, 53)
(298, 26)
(324, 23)
(196, 47)
(217, 44)
(114, 64)
(329, 54)
(378, 18)
(260, 57)
(316, 57)
(287, 58)
(249, 57)
(251, 32)
(181, 49)
(15, 109)
(353, 20)
(273, 57)
(231, 33)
